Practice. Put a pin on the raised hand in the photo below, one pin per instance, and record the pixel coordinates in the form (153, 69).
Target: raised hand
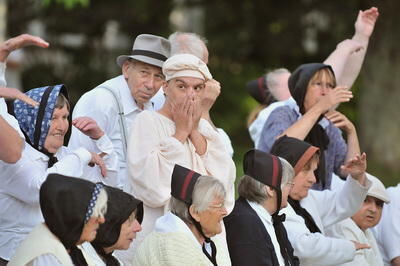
(12, 93)
(18, 42)
(211, 92)
(340, 121)
(365, 22)
(333, 98)
(97, 159)
(182, 115)
(356, 167)
(88, 127)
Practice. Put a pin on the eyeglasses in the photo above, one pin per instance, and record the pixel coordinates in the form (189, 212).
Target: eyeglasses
(290, 184)
(218, 207)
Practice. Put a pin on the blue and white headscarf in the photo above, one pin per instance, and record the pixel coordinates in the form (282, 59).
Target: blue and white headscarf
(35, 121)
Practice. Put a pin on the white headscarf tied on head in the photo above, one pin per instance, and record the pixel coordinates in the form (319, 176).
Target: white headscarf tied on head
(185, 65)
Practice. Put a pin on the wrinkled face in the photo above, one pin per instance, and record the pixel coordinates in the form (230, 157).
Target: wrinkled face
(128, 232)
(303, 181)
(369, 214)
(143, 80)
(58, 128)
(210, 219)
(177, 89)
(320, 84)
(89, 231)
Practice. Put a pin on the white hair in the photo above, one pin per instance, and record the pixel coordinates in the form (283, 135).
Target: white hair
(100, 208)
(272, 82)
(205, 190)
(188, 43)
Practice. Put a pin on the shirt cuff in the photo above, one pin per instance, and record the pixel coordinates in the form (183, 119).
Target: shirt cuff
(104, 144)
(83, 154)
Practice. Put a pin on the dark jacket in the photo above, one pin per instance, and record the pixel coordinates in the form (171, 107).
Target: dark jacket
(248, 241)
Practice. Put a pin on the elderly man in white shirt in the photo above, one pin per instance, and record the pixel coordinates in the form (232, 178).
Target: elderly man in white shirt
(115, 103)
(358, 227)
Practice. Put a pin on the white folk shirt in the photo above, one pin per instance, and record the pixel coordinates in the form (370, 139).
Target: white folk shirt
(266, 219)
(327, 208)
(387, 232)
(100, 105)
(19, 192)
(348, 229)
(152, 154)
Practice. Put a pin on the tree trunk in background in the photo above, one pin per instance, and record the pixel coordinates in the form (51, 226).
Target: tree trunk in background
(380, 96)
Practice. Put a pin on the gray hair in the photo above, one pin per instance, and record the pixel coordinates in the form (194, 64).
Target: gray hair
(205, 190)
(253, 190)
(100, 209)
(272, 83)
(188, 43)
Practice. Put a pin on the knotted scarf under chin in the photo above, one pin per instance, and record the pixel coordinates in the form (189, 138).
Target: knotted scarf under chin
(318, 138)
(286, 248)
(52, 158)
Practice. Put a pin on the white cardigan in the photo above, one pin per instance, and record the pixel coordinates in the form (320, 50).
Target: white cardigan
(172, 243)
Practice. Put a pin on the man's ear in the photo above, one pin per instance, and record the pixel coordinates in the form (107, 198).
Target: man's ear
(165, 87)
(194, 213)
(125, 68)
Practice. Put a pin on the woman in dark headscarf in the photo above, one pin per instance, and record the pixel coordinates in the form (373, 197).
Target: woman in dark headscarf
(72, 209)
(313, 87)
(44, 127)
(309, 211)
(123, 218)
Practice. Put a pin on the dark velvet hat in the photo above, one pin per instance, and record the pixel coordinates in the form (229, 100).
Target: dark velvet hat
(182, 183)
(263, 167)
(259, 91)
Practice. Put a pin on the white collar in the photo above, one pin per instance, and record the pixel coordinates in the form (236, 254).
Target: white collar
(261, 212)
(120, 85)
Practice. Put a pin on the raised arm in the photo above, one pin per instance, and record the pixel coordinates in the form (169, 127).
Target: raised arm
(364, 26)
(10, 142)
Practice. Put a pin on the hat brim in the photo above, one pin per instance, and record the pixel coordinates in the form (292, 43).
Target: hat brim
(145, 59)
(379, 196)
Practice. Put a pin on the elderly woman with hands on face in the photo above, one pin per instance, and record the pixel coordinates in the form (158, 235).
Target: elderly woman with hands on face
(176, 134)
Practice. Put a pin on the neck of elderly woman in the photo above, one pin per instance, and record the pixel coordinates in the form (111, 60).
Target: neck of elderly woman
(196, 233)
